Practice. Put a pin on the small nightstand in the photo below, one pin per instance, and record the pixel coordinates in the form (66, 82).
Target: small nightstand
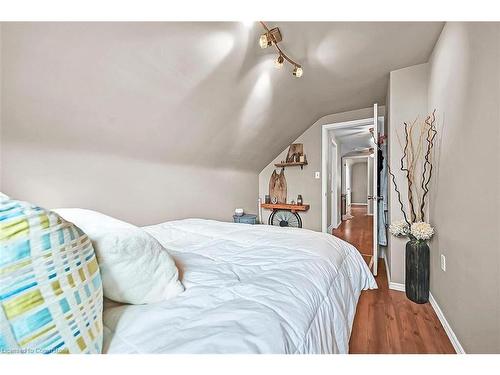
(245, 219)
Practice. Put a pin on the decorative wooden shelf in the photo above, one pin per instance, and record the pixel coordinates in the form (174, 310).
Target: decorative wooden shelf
(291, 164)
(285, 206)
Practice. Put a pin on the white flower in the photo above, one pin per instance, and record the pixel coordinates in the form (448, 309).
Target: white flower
(421, 230)
(399, 228)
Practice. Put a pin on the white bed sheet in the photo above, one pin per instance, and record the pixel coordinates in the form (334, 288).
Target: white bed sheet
(249, 289)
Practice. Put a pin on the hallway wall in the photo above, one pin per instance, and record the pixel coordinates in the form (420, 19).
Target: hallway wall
(464, 87)
(359, 182)
(461, 81)
(407, 102)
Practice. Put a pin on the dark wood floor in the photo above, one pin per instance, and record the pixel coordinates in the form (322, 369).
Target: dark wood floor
(358, 230)
(386, 322)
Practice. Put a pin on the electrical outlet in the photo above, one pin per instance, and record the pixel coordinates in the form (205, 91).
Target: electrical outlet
(316, 175)
(443, 262)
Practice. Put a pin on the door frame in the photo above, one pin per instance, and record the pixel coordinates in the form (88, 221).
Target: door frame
(367, 172)
(374, 121)
(324, 163)
(334, 196)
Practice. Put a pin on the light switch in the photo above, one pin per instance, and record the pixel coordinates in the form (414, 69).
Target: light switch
(316, 175)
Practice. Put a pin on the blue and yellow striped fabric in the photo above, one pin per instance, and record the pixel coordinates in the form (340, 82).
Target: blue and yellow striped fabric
(50, 286)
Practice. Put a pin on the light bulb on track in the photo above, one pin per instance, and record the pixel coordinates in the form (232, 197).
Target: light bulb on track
(297, 72)
(264, 41)
(278, 63)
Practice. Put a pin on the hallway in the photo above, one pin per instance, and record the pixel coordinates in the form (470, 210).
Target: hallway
(358, 230)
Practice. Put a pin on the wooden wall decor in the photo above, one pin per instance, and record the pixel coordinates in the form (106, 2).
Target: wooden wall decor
(277, 186)
(295, 149)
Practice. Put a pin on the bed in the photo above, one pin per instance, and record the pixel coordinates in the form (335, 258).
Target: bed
(249, 289)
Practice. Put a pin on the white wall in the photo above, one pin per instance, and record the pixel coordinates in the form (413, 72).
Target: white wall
(303, 181)
(464, 87)
(346, 180)
(138, 191)
(407, 101)
(359, 182)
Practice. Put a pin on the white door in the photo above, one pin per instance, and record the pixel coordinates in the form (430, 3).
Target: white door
(374, 189)
(333, 187)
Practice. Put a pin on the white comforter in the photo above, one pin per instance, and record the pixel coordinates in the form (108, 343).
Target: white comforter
(249, 289)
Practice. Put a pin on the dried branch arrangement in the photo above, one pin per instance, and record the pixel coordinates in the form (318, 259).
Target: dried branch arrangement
(417, 165)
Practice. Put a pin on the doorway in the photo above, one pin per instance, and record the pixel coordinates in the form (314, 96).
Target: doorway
(349, 208)
(357, 212)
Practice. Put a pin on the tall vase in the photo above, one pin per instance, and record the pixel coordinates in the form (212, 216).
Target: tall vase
(417, 271)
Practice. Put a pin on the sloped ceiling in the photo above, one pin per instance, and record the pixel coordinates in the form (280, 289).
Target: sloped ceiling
(194, 93)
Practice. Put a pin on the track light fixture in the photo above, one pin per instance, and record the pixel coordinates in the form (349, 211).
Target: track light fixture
(269, 37)
(273, 37)
(279, 61)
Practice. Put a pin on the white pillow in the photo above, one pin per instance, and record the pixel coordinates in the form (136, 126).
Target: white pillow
(135, 267)
(90, 221)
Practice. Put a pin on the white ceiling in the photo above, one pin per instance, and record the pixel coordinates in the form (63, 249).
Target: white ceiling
(353, 138)
(197, 93)
(356, 131)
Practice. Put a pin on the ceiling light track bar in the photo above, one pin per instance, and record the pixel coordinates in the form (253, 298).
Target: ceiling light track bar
(273, 37)
(286, 57)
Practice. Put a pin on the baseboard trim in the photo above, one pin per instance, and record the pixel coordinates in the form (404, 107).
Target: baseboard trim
(333, 226)
(359, 204)
(394, 286)
(397, 286)
(449, 331)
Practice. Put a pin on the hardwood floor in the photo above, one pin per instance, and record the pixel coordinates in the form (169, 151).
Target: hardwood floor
(358, 230)
(386, 321)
